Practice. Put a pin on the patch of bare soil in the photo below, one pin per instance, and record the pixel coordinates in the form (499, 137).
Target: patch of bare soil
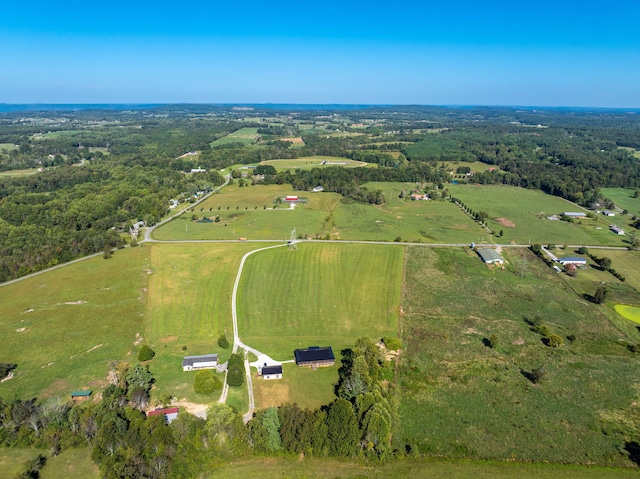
(168, 339)
(505, 222)
(138, 340)
(21, 330)
(192, 408)
(518, 342)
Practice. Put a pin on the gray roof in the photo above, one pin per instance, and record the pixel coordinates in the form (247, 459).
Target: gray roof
(489, 254)
(205, 358)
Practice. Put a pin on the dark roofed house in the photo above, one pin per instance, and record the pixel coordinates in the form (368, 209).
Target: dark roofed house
(81, 395)
(315, 357)
(170, 413)
(272, 372)
(206, 361)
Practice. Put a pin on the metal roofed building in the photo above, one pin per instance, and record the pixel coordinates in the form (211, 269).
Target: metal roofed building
(490, 256)
(314, 357)
(206, 361)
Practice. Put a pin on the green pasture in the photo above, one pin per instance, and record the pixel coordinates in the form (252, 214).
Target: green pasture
(189, 306)
(309, 467)
(318, 295)
(7, 147)
(460, 398)
(633, 151)
(632, 313)
(527, 211)
(246, 136)
(243, 215)
(623, 197)
(70, 463)
(309, 162)
(62, 328)
(625, 262)
(413, 221)
(27, 172)
(301, 386)
(52, 135)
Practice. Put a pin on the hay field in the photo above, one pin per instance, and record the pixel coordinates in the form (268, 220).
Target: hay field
(461, 398)
(321, 294)
(63, 327)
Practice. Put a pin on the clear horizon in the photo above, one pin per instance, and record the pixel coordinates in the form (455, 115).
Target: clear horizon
(552, 54)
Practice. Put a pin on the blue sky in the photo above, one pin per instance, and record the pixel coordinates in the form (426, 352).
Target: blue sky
(545, 53)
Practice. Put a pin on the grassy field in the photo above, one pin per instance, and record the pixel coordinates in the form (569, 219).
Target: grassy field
(321, 294)
(57, 134)
(419, 221)
(189, 306)
(461, 398)
(7, 147)
(309, 162)
(243, 215)
(624, 199)
(63, 327)
(306, 468)
(27, 172)
(521, 215)
(476, 166)
(301, 386)
(633, 151)
(70, 463)
(246, 136)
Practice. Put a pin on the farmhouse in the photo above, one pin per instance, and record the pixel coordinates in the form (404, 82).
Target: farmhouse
(416, 196)
(170, 413)
(572, 260)
(616, 229)
(80, 395)
(490, 256)
(271, 372)
(315, 357)
(207, 361)
(574, 215)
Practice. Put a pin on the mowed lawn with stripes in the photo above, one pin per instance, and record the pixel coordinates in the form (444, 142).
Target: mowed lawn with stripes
(320, 294)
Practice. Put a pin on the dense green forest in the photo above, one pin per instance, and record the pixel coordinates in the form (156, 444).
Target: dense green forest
(100, 170)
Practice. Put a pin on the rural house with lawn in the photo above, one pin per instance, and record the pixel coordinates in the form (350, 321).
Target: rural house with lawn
(206, 361)
(271, 372)
(315, 357)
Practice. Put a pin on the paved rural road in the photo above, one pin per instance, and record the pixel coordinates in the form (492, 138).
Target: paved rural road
(148, 231)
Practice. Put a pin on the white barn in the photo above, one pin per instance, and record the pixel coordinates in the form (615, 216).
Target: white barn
(271, 372)
(206, 361)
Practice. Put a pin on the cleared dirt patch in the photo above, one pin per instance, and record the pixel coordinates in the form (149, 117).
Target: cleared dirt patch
(295, 140)
(505, 222)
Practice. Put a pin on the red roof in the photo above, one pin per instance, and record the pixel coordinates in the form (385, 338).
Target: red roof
(169, 410)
